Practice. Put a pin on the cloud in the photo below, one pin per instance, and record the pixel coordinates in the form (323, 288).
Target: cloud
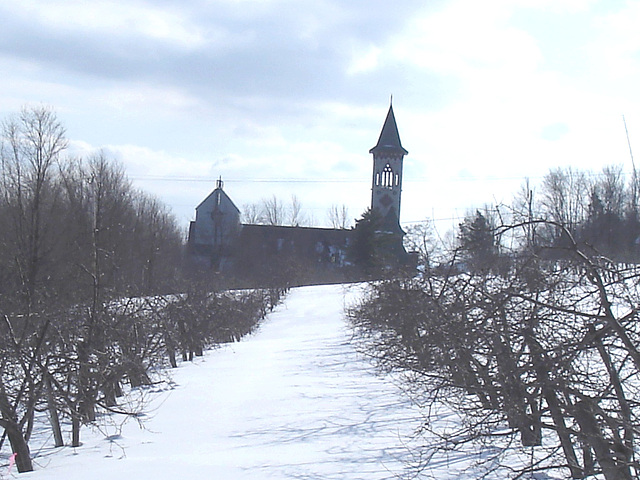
(555, 131)
(238, 48)
(289, 89)
(108, 19)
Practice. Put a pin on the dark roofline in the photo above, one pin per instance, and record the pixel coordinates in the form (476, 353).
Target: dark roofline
(292, 227)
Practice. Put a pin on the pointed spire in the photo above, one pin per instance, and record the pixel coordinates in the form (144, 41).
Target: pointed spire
(389, 140)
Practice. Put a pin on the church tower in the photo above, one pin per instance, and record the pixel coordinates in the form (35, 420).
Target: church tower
(386, 187)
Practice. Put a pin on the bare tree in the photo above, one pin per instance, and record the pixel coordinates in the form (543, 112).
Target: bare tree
(82, 258)
(273, 211)
(31, 145)
(612, 190)
(295, 212)
(251, 214)
(544, 355)
(525, 209)
(422, 239)
(565, 198)
(338, 216)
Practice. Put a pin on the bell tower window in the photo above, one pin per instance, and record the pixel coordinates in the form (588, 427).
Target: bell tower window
(388, 177)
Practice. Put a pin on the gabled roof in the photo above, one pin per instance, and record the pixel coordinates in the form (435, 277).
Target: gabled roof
(223, 195)
(389, 140)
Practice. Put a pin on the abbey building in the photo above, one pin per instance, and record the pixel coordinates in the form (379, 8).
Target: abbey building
(220, 241)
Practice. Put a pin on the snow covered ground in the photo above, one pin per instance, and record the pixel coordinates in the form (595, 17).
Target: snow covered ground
(293, 401)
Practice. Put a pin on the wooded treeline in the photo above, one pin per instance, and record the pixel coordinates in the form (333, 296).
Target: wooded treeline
(93, 297)
(600, 211)
(526, 325)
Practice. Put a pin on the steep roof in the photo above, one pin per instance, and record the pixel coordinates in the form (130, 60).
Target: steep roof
(223, 194)
(389, 140)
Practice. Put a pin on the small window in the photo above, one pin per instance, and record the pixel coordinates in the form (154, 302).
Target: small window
(387, 176)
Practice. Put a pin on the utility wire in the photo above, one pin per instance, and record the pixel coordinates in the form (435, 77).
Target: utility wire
(169, 178)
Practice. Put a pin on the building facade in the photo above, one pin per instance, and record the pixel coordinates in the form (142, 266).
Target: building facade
(218, 239)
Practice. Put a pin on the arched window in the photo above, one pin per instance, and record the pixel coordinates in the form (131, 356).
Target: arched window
(387, 176)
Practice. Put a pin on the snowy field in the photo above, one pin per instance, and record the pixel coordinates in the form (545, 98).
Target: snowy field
(292, 401)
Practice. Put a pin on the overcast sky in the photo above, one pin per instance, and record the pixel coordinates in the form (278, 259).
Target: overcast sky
(282, 97)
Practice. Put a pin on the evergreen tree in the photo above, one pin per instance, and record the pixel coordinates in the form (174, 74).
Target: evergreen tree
(478, 243)
(364, 251)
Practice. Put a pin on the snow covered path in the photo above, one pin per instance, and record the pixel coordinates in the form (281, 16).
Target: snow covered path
(293, 401)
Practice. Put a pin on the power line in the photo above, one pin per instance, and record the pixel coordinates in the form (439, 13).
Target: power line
(212, 180)
(154, 178)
